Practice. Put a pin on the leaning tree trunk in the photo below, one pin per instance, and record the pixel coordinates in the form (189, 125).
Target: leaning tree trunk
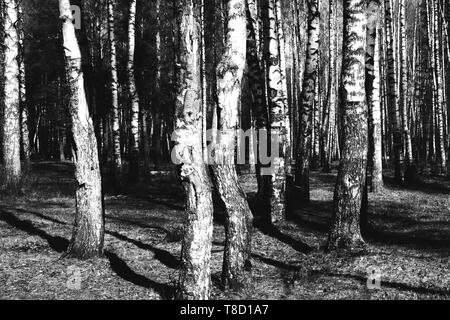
(11, 95)
(307, 102)
(195, 273)
(238, 223)
(117, 162)
(345, 230)
(88, 232)
(133, 95)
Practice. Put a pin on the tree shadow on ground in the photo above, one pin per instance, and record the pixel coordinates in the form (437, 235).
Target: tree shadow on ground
(418, 185)
(162, 256)
(119, 266)
(59, 244)
(414, 239)
(313, 274)
(263, 224)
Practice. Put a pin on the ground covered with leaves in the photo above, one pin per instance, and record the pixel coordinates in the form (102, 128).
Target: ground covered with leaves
(409, 245)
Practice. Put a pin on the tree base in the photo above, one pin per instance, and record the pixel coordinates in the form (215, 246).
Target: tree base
(351, 244)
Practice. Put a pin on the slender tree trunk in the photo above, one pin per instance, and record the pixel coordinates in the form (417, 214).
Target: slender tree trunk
(238, 223)
(11, 94)
(256, 77)
(277, 112)
(345, 230)
(25, 135)
(375, 169)
(307, 102)
(195, 273)
(392, 93)
(88, 232)
(134, 98)
(409, 175)
(440, 98)
(377, 158)
(117, 163)
(330, 122)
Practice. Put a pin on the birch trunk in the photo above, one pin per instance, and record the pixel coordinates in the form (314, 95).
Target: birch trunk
(409, 175)
(25, 135)
(257, 86)
(117, 162)
(238, 223)
(88, 232)
(375, 170)
(332, 93)
(11, 95)
(377, 157)
(345, 230)
(195, 274)
(440, 101)
(392, 93)
(277, 114)
(133, 95)
(307, 102)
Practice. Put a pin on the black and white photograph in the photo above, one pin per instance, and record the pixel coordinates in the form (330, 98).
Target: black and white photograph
(235, 152)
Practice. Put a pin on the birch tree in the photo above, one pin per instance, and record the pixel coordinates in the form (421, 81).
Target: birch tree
(117, 164)
(195, 273)
(345, 229)
(279, 120)
(391, 85)
(133, 94)
(307, 102)
(404, 94)
(24, 132)
(88, 232)
(373, 95)
(11, 95)
(238, 222)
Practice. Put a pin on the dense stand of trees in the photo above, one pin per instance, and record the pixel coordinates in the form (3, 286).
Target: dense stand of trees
(361, 86)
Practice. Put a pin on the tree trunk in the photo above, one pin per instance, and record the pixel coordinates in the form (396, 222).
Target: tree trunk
(375, 169)
(88, 232)
(133, 95)
(277, 114)
(392, 93)
(409, 171)
(375, 114)
(238, 223)
(256, 77)
(345, 230)
(307, 103)
(25, 135)
(330, 122)
(11, 87)
(195, 273)
(117, 163)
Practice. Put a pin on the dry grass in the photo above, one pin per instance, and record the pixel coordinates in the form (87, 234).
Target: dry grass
(410, 246)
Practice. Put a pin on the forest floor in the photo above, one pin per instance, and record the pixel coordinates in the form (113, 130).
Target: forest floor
(410, 248)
